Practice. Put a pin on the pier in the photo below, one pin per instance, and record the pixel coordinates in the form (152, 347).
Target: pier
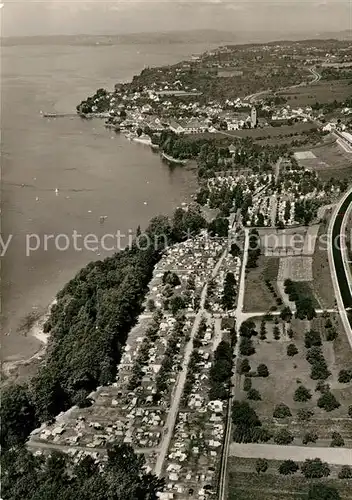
(58, 115)
(71, 115)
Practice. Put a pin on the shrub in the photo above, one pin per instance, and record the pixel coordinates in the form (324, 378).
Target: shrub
(283, 437)
(312, 338)
(322, 387)
(291, 350)
(331, 335)
(262, 371)
(288, 467)
(328, 402)
(304, 415)
(310, 437)
(246, 347)
(345, 472)
(349, 412)
(247, 384)
(290, 333)
(282, 411)
(245, 367)
(261, 465)
(302, 394)
(315, 469)
(276, 332)
(337, 440)
(254, 395)
(262, 332)
(345, 376)
(286, 314)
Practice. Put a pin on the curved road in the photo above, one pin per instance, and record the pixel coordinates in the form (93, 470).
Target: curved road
(338, 260)
(251, 98)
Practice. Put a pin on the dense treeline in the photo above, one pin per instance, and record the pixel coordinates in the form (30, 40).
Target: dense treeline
(29, 477)
(302, 298)
(88, 325)
(221, 372)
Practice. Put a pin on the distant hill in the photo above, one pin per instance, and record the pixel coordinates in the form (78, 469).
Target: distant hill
(172, 37)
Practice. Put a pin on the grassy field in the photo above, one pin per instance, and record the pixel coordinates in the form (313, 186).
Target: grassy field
(257, 296)
(246, 484)
(273, 131)
(322, 284)
(330, 161)
(322, 91)
(287, 373)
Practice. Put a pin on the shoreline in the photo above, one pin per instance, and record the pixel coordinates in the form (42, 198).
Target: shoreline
(9, 368)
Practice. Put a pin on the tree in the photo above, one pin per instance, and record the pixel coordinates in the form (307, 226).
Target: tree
(349, 412)
(262, 331)
(245, 367)
(17, 413)
(81, 399)
(229, 294)
(312, 338)
(291, 350)
(151, 305)
(345, 376)
(282, 411)
(328, 402)
(171, 278)
(176, 304)
(254, 395)
(290, 333)
(310, 437)
(244, 415)
(262, 371)
(304, 415)
(286, 314)
(315, 469)
(276, 332)
(323, 492)
(302, 394)
(288, 467)
(283, 437)
(246, 347)
(261, 465)
(337, 440)
(345, 472)
(247, 329)
(247, 384)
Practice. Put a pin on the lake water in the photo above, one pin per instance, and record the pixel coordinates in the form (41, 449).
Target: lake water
(95, 171)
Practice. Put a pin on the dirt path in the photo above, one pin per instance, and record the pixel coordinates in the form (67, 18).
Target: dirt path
(336, 456)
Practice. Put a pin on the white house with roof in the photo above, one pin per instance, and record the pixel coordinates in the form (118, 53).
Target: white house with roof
(176, 127)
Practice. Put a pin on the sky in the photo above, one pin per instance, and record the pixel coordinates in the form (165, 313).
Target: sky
(52, 17)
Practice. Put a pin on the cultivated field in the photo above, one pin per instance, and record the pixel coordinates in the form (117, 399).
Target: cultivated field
(246, 484)
(330, 161)
(257, 296)
(290, 241)
(271, 132)
(322, 91)
(295, 268)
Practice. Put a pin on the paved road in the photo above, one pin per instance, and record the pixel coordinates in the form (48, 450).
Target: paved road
(337, 456)
(317, 76)
(252, 97)
(338, 261)
(240, 316)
